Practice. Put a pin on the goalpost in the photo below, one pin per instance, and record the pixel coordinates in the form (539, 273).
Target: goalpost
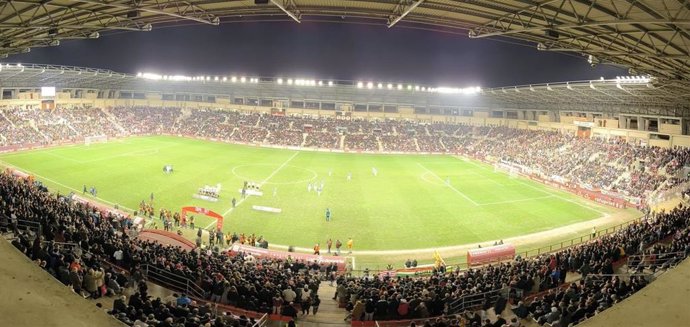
(511, 171)
(88, 140)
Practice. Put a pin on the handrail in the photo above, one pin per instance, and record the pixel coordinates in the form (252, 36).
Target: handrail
(472, 300)
(654, 260)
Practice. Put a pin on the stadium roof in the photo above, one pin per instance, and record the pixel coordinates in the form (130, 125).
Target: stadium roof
(648, 36)
(633, 95)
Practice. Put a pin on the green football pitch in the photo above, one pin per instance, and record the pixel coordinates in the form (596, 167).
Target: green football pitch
(414, 202)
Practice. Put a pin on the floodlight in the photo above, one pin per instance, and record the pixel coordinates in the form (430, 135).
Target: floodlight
(320, 83)
(233, 79)
(289, 81)
(360, 85)
(370, 85)
(416, 87)
(409, 87)
(400, 87)
(390, 86)
(330, 83)
(215, 79)
(380, 86)
(225, 78)
(243, 79)
(280, 81)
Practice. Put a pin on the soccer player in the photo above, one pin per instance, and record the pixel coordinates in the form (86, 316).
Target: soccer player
(330, 173)
(309, 187)
(317, 249)
(151, 197)
(374, 171)
(338, 244)
(349, 176)
(329, 244)
(234, 202)
(350, 243)
(319, 190)
(84, 190)
(328, 214)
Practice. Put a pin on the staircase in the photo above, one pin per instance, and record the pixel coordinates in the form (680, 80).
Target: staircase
(329, 312)
(342, 142)
(113, 120)
(378, 140)
(440, 141)
(416, 144)
(2, 113)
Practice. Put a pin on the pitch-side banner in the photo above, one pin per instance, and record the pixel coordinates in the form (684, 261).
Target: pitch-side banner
(490, 254)
(265, 253)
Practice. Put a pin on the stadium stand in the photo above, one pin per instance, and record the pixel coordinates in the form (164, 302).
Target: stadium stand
(103, 245)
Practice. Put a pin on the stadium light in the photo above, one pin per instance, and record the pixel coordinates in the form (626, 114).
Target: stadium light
(416, 88)
(400, 87)
(380, 86)
(360, 85)
(370, 85)
(233, 79)
(139, 74)
(225, 78)
(289, 81)
(330, 83)
(243, 79)
(423, 89)
(390, 86)
(409, 87)
(320, 83)
(216, 78)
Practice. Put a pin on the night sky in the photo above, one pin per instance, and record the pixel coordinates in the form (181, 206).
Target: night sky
(322, 51)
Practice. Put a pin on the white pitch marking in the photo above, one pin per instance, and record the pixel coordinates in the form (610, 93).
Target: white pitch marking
(261, 183)
(448, 185)
(520, 200)
(547, 191)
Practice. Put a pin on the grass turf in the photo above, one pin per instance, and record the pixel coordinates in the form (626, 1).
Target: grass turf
(415, 201)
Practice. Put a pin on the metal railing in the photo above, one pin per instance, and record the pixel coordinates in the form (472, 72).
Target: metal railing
(654, 261)
(173, 281)
(526, 254)
(474, 300)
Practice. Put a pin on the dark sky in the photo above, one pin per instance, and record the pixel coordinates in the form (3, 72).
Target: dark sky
(322, 51)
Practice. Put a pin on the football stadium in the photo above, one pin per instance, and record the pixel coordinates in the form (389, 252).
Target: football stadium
(167, 199)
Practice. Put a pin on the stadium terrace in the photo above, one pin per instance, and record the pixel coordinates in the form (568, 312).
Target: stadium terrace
(299, 156)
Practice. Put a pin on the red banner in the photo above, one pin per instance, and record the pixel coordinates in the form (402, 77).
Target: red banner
(266, 253)
(490, 254)
(206, 212)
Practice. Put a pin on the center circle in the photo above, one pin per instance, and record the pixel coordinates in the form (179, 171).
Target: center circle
(258, 172)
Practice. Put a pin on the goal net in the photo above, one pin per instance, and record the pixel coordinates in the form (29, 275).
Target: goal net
(88, 140)
(506, 169)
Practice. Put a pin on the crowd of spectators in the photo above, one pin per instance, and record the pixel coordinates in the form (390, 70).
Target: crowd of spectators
(381, 297)
(631, 169)
(100, 239)
(268, 285)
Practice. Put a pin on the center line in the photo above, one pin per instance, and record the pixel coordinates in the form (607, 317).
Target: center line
(261, 184)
